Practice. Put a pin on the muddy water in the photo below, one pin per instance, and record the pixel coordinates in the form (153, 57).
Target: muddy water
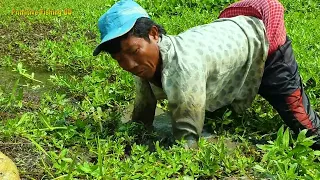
(163, 127)
(8, 78)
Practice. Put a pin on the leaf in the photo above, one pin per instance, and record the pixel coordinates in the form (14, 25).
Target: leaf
(158, 149)
(302, 135)
(307, 142)
(316, 153)
(227, 121)
(279, 139)
(298, 149)
(86, 168)
(69, 160)
(63, 153)
(308, 177)
(285, 139)
(259, 168)
(187, 178)
(293, 168)
(264, 147)
(280, 168)
(19, 67)
(227, 114)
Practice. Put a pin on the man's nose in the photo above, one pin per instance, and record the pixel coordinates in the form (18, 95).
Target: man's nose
(129, 64)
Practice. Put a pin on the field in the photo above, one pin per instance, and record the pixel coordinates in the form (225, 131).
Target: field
(61, 108)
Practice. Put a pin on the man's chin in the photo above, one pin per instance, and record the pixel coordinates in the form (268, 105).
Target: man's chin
(144, 76)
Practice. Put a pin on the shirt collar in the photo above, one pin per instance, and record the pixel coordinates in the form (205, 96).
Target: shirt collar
(165, 48)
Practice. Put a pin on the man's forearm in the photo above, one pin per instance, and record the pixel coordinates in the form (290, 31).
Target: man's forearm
(189, 123)
(145, 103)
(143, 112)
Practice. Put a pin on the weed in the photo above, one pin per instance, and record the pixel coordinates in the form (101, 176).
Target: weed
(62, 120)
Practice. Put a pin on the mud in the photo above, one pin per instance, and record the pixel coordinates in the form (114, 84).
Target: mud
(23, 154)
(163, 127)
(29, 90)
(19, 38)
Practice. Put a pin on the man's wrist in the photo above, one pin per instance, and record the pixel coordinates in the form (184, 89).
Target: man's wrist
(191, 141)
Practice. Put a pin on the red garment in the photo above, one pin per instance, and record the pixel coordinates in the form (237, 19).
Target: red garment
(271, 12)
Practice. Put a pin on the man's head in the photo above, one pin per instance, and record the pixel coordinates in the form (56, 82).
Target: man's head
(130, 37)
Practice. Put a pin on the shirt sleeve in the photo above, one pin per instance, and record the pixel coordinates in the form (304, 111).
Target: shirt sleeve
(144, 103)
(185, 89)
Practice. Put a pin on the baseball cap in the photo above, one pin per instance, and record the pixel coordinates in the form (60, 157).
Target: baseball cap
(118, 20)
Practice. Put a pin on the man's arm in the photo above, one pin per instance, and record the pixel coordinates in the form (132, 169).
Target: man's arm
(144, 104)
(186, 92)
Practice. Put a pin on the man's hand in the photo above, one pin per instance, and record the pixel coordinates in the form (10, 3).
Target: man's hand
(190, 142)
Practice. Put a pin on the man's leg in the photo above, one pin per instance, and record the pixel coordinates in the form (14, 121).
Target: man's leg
(281, 86)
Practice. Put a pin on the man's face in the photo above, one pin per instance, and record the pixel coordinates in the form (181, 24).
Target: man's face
(138, 56)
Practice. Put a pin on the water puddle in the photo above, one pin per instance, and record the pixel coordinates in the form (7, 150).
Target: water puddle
(163, 127)
(9, 77)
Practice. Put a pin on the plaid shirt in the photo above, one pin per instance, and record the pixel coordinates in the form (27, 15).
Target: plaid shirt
(271, 12)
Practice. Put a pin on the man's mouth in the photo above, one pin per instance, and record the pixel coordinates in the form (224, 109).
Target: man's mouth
(139, 73)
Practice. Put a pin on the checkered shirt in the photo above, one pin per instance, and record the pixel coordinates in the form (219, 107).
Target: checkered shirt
(271, 12)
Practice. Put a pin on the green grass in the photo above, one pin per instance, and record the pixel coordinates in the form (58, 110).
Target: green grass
(68, 125)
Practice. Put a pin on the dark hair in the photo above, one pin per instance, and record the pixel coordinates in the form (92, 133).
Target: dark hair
(140, 29)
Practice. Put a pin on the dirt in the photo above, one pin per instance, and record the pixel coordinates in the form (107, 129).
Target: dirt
(13, 35)
(23, 154)
(20, 37)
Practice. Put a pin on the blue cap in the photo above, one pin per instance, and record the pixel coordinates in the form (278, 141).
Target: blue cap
(119, 20)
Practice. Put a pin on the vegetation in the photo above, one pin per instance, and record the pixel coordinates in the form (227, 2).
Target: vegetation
(60, 107)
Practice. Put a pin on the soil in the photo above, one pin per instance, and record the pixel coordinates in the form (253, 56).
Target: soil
(23, 154)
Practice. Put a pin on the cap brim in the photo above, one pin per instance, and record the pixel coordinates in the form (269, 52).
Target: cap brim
(97, 50)
(117, 33)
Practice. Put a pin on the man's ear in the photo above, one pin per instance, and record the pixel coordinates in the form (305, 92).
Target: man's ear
(154, 34)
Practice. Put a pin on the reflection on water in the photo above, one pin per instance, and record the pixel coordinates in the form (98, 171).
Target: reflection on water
(9, 77)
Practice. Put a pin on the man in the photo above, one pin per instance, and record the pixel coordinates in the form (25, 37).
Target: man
(226, 62)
